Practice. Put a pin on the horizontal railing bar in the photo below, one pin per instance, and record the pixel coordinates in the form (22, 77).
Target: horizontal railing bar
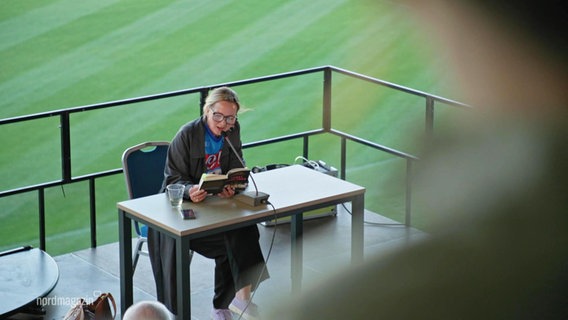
(57, 183)
(119, 170)
(100, 174)
(282, 138)
(164, 95)
(373, 145)
(399, 87)
(171, 94)
(245, 146)
(101, 105)
(272, 77)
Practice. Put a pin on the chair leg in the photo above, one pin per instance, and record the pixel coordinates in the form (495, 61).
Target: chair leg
(136, 254)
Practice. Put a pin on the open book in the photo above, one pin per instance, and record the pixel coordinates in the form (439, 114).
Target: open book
(214, 183)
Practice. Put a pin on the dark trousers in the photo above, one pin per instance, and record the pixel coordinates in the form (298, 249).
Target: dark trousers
(238, 263)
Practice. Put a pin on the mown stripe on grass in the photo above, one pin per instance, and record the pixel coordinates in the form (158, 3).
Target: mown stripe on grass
(24, 91)
(33, 23)
(227, 57)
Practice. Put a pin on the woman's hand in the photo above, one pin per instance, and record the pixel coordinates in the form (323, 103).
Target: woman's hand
(197, 195)
(228, 192)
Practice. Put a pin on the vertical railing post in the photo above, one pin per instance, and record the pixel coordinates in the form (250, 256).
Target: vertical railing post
(408, 205)
(41, 205)
(93, 212)
(65, 147)
(343, 157)
(305, 152)
(429, 118)
(326, 113)
(202, 96)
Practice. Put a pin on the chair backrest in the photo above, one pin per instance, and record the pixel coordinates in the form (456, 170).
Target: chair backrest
(143, 167)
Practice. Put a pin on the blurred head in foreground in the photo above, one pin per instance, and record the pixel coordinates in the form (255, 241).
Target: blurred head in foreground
(495, 184)
(147, 310)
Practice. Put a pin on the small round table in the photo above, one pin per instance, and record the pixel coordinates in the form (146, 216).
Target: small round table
(26, 274)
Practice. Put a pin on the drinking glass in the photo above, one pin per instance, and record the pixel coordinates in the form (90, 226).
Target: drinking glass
(175, 194)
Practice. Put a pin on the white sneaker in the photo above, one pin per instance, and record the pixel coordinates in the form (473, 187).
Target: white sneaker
(247, 309)
(221, 314)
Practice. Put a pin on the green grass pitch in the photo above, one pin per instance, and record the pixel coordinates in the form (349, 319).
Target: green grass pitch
(57, 54)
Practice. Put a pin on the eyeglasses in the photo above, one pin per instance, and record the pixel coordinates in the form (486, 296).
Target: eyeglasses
(218, 117)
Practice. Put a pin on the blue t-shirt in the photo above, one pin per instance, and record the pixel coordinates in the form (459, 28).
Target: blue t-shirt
(213, 146)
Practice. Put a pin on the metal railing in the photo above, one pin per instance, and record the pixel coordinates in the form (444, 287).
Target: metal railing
(326, 127)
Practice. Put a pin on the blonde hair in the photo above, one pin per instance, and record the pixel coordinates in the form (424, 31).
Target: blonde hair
(221, 94)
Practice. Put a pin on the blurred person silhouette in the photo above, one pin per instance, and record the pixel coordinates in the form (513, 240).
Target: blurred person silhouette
(496, 184)
(147, 310)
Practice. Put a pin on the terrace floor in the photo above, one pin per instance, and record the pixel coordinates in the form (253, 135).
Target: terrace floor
(326, 251)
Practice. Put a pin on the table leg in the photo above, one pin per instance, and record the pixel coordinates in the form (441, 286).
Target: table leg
(297, 230)
(183, 278)
(125, 245)
(357, 230)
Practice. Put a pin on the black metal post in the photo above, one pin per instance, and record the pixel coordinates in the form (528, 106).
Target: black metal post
(429, 118)
(305, 152)
(326, 113)
(343, 157)
(41, 204)
(65, 147)
(93, 212)
(408, 209)
(202, 96)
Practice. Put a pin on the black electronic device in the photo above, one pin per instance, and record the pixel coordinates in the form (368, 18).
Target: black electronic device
(187, 214)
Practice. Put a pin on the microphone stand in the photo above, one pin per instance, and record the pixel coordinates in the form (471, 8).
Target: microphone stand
(251, 198)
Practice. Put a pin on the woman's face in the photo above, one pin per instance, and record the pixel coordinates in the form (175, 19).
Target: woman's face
(221, 116)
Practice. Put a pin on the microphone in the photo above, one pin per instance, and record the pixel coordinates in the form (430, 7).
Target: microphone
(252, 198)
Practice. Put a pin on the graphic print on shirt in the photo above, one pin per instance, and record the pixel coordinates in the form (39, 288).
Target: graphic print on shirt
(213, 162)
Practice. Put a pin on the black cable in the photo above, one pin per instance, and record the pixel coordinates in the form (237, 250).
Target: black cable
(376, 223)
(265, 263)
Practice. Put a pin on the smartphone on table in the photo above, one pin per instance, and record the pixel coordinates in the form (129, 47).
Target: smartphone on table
(187, 214)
